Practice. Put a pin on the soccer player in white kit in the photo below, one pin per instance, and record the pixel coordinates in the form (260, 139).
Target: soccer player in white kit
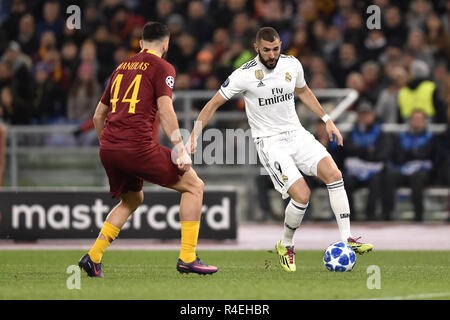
(268, 84)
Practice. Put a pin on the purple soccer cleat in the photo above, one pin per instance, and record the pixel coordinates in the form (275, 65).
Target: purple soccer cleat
(92, 269)
(197, 266)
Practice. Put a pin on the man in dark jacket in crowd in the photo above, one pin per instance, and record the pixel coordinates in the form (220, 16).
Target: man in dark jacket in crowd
(411, 165)
(366, 151)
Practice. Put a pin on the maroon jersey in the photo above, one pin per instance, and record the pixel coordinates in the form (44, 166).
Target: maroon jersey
(131, 95)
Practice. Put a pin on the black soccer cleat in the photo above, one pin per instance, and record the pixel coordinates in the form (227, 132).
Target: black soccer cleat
(197, 266)
(92, 269)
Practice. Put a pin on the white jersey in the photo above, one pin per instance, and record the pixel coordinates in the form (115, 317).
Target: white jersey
(268, 94)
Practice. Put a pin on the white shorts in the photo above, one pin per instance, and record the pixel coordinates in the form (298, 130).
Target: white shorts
(283, 155)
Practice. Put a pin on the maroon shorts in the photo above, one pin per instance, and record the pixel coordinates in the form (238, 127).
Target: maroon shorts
(127, 169)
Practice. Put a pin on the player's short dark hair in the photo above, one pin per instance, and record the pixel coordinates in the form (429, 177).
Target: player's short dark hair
(267, 34)
(153, 31)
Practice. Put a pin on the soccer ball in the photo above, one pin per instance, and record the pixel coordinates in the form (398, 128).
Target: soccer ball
(339, 257)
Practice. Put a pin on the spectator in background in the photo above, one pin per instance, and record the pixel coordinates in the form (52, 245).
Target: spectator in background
(342, 14)
(69, 58)
(104, 46)
(356, 81)
(370, 72)
(123, 22)
(134, 39)
(3, 132)
(347, 63)
(420, 94)
(440, 76)
(318, 36)
(6, 76)
(14, 109)
(71, 34)
(212, 83)
(386, 107)
(331, 45)
(374, 45)
(203, 69)
(317, 69)
(47, 41)
(417, 14)
(45, 95)
(224, 11)
(445, 17)
(92, 19)
(394, 27)
(307, 11)
(366, 151)
(11, 25)
(417, 45)
(182, 53)
(176, 25)
(443, 155)
(235, 56)
(437, 38)
(221, 42)
(299, 46)
(198, 22)
(412, 163)
(272, 15)
(120, 54)
(355, 31)
(83, 96)
(20, 65)
(27, 37)
(88, 54)
(52, 18)
(164, 8)
(242, 27)
(57, 72)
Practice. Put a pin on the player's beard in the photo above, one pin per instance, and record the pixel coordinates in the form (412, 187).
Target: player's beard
(265, 62)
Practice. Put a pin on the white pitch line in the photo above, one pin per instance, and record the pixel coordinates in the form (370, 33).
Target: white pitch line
(415, 296)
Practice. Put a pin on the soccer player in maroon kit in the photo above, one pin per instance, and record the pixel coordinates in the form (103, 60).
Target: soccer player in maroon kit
(138, 89)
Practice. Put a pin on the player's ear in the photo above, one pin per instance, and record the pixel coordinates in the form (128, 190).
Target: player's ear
(255, 46)
(141, 44)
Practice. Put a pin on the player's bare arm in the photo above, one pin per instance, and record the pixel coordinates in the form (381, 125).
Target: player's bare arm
(307, 96)
(203, 119)
(99, 118)
(169, 123)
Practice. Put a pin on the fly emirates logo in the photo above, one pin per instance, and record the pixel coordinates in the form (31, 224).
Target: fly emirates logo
(277, 96)
(84, 217)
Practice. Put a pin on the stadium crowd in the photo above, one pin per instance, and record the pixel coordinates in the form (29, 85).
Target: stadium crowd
(51, 74)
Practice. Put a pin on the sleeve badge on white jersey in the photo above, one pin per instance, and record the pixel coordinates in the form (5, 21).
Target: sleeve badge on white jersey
(170, 81)
(226, 83)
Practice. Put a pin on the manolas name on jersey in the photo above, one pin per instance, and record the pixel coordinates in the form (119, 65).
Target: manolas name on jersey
(132, 93)
(269, 94)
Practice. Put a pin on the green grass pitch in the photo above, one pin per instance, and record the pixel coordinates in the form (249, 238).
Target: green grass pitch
(242, 275)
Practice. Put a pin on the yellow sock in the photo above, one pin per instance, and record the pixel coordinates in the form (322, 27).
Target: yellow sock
(110, 232)
(189, 236)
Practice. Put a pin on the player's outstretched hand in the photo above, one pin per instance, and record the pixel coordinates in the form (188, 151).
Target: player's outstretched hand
(333, 130)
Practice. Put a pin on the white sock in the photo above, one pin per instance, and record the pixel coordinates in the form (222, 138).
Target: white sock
(340, 207)
(292, 219)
